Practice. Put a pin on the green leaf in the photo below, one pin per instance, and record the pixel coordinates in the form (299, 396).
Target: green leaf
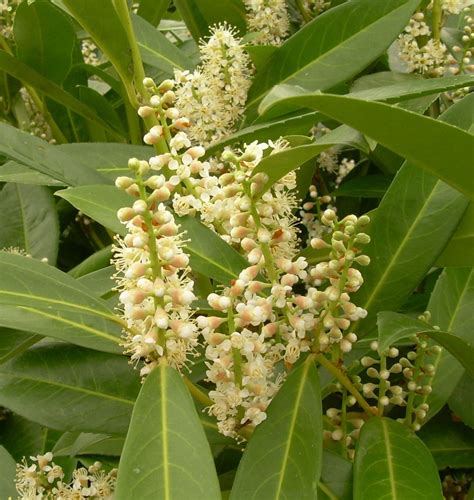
(462, 400)
(370, 186)
(200, 15)
(14, 342)
(153, 10)
(455, 254)
(31, 215)
(38, 298)
(266, 131)
(12, 171)
(166, 454)
(7, 477)
(45, 158)
(29, 76)
(44, 39)
(99, 282)
(451, 443)
(100, 203)
(394, 327)
(108, 34)
(22, 437)
(321, 54)
(70, 388)
(451, 305)
(209, 253)
(97, 260)
(420, 139)
(391, 462)
(336, 478)
(85, 443)
(284, 456)
(156, 50)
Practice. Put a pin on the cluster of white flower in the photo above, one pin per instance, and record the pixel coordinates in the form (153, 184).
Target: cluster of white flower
(7, 14)
(90, 52)
(268, 19)
(461, 61)
(310, 214)
(425, 58)
(455, 6)
(317, 6)
(36, 124)
(43, 479)
(213, 96)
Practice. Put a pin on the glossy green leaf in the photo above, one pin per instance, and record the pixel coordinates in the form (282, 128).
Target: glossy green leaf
(283, 459)
(70, 388)
(14, 342)
(321, 54)
(31, 214)
(336, 478)
(209, 254)
(29, 76)
(266, 131)
(108, 34)
(45, 158)
(156, 50)
(44, 39)
(38, 298)
(166, 454)
(450, 443)
(418, 138)
(451, 305)
(7, 477)
(12, 171)
(100, 203)
(393, 327)
(391, 462)
(370, 186)
(462, 400)
(153, 10)
(200, 15)
(457, 252)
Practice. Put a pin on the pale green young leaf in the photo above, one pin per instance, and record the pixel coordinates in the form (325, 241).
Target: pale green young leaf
(165, 453)
(321, 54)
(391, 462)
(38, 298)
(85, 391)
(283, 459)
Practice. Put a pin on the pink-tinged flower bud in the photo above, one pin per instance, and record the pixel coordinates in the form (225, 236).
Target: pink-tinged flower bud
(155, 101)
(162, 194)
(125, 214)
(180, 261)
(123, 182)
(145, 111)
(319, 244)
(140, 207)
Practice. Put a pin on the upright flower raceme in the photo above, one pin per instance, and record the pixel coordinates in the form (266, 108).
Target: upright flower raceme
(269, 20)
(214, 95)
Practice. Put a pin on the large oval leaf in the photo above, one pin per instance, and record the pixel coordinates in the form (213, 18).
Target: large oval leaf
(418, 138)
(70, 388)
(321, 54)
(284, 456)
(31, 214)
(38, 298)
(391, 462)
(44, 38)
(166, 455)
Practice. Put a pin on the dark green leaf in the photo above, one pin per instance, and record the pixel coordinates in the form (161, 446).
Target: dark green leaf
(391, 462)
(284, 456)
(45, 158)
(450, 443)
(12, 171)
(70, 388)
(29, 76)
(321, 54)
(200, 15)
(336, 478)
(420, 139)
(31, 215)
(7, 477)
(451, 305)
(156, 50)
(38, 298)
(21, 437)
(153, 10)
(14, 342)
(71, 444)
(370, 186)
(462, 400)
(99, 282)
(44, 38)
(166, 454)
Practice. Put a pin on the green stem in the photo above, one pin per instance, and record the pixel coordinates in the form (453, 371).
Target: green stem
(383, 383)
(412, 395)
(342, 378)
(437, 19)
(133, 124)
(344, 423)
